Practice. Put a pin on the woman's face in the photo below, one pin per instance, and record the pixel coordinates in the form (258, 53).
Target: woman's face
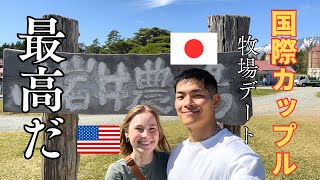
(143, 133)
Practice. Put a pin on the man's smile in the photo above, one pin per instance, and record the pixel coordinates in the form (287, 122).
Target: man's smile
(189, 111)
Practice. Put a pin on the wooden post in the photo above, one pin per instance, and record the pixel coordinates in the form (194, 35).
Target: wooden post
(66, 166)
(229, 29)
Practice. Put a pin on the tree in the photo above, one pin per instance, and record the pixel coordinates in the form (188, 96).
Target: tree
(301, 65)
(1, 52)
(113, 42)
(143, 35)
(82, 48)
(263, 57)
(94, 48)
(5, 45)
(156, 45)
(160, 39)
(302, 57)
(153, 48)
(18, 45)
(113, 36)
(119, 47)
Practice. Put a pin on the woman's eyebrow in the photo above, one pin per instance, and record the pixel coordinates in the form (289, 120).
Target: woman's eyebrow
(136, 125)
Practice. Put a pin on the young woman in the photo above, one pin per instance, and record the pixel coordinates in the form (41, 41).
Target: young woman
(141, 134)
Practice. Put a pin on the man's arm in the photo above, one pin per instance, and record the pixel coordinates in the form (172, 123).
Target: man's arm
(247, 167)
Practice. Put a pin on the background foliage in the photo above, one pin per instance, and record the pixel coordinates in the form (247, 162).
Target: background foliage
(147, 41)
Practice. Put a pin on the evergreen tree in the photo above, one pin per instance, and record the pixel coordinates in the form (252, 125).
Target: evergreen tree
(156, 45)
(263, 57)
(82, 48)
(121, 47)
(143, 35)
(113, 36)
(94, 48)
(302, 57)
(20, 45)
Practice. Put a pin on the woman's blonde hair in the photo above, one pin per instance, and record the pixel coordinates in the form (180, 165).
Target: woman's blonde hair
(125, 147)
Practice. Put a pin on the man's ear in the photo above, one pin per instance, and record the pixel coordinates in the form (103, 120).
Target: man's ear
(216, 100)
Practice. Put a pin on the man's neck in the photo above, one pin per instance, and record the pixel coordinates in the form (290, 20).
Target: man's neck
(203, 133)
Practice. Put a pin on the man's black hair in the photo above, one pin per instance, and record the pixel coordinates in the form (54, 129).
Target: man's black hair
(209, 82)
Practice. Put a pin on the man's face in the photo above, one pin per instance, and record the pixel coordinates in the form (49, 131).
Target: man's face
(194, 104)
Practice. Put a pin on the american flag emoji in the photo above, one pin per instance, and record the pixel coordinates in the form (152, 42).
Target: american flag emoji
(98, 139)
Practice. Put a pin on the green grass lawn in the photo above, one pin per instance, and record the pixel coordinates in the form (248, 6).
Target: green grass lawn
(304, 149)
(262, 92)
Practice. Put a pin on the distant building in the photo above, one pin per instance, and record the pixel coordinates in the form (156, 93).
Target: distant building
(314, 62)
(266, 70)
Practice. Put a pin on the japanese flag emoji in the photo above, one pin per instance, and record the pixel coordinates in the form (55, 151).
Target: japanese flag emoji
(193, 48)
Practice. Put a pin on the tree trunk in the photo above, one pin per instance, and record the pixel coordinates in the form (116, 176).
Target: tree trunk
(65, 167)
(229, 28)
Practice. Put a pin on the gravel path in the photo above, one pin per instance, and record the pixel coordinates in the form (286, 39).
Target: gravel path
(308, 103)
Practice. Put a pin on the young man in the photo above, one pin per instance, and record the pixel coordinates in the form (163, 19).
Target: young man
(209, 152)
